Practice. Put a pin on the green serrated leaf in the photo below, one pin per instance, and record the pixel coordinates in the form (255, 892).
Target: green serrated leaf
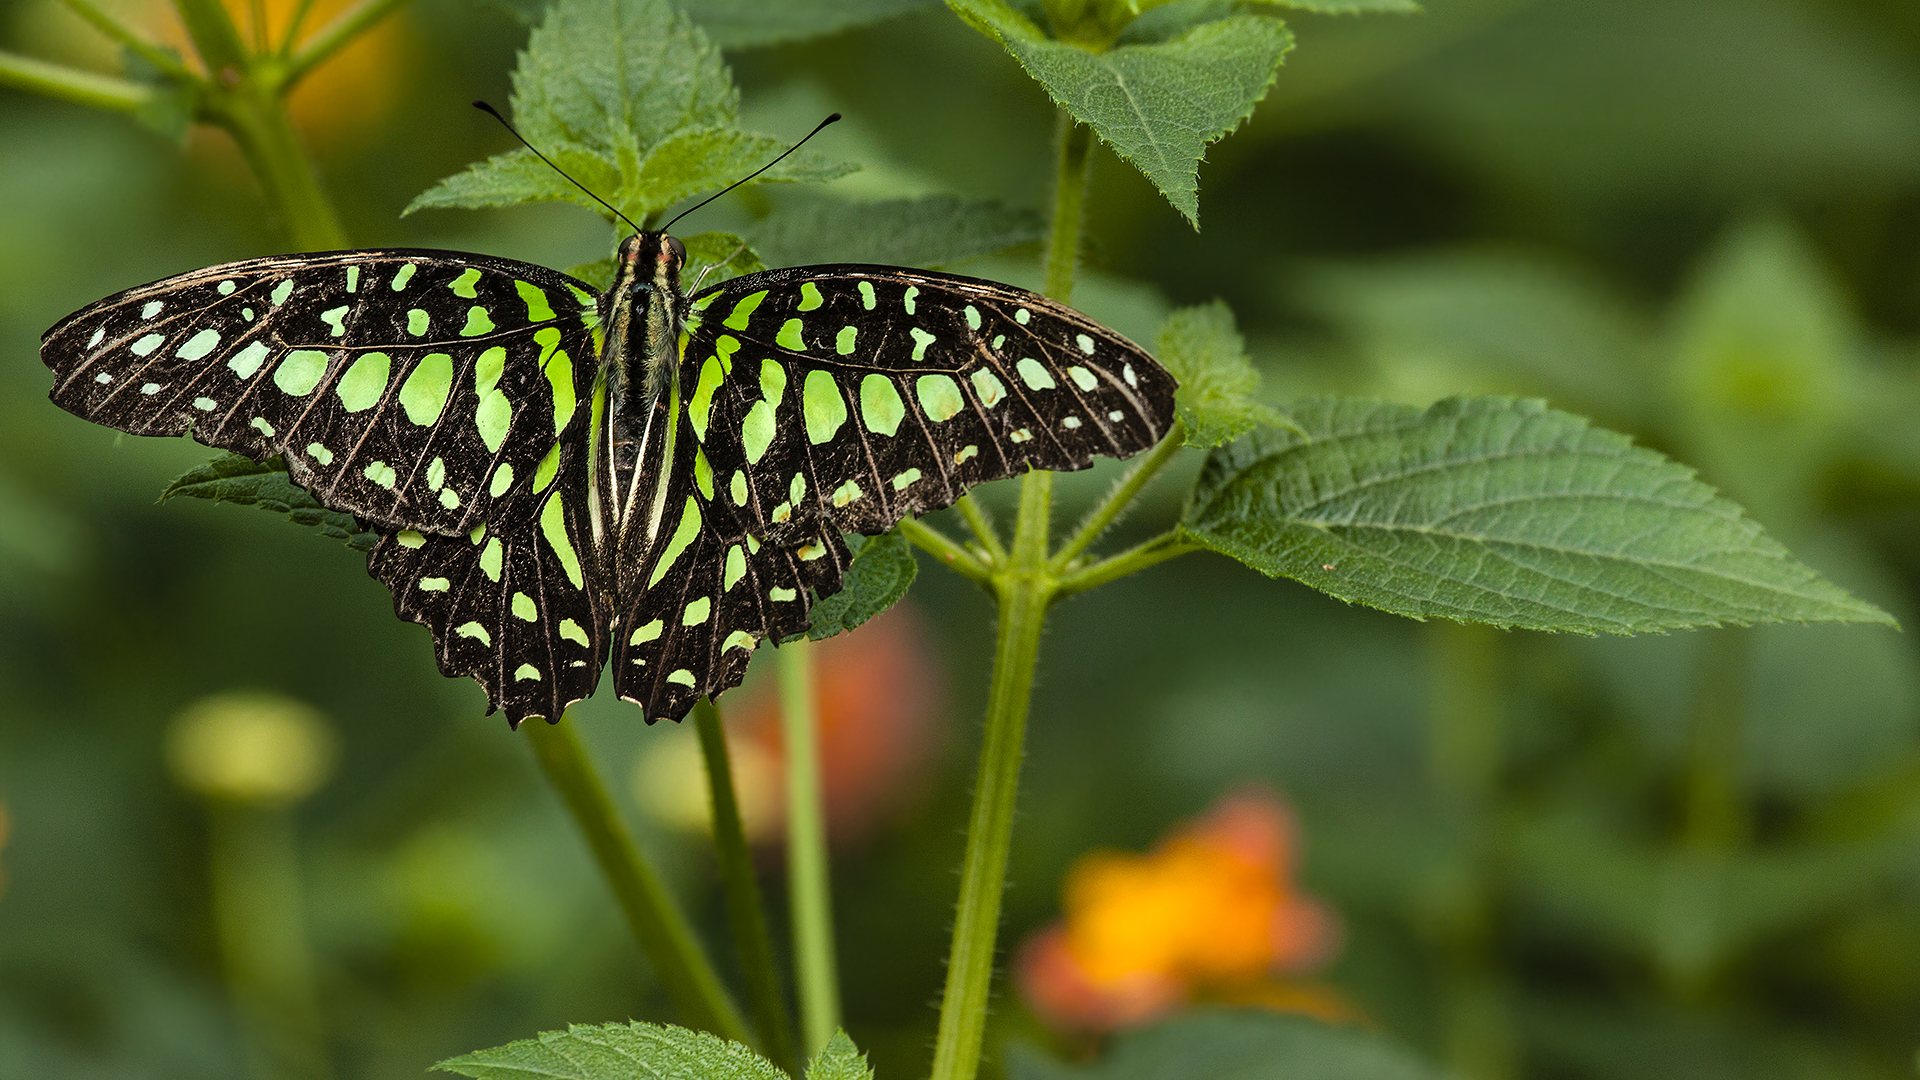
(1498, 511)
(616, 1052)
(237, 479)
(882, 570)
(1204, 350)
(1225, 1045)
(615, 74)
(839, 1060)
(1155, 103)
(634, 102)
(519, 176)
(741, 24)
(709, 157)
(937, 230)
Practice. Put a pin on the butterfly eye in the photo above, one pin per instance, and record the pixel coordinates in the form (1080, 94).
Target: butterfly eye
(679, 249)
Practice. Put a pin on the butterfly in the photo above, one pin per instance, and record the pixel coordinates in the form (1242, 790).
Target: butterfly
(562, 478)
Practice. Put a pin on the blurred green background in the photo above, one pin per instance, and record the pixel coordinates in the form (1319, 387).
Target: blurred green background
(1697, 221)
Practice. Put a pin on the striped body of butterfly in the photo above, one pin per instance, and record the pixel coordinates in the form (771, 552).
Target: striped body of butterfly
(561, 478)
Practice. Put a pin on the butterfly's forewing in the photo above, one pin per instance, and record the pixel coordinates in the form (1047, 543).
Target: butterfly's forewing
(861, 395)
(514, 605)
(412, 388)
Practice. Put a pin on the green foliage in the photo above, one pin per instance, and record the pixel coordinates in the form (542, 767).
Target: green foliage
(623, 1051)
(616, 1052)
(237, 479)
(839, 1060)
(1221, 1045)
(738, 24)
(1497, 511)
(1204, 350)
(634, 102)
(1764, 377)
(930, 231)
(883, 569)
(1158, 101)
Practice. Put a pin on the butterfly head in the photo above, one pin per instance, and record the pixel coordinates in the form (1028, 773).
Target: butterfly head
(651, 260)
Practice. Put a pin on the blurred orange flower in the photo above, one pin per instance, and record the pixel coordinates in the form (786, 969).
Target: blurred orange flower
(878, 692)
(1211, 914)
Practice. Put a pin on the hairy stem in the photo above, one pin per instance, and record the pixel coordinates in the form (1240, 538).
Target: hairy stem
(1110, 508)
(808, 885)
(1024, 587)
(1131, 561)
(1069, 206)
(685, 971)
(976, 518)
(1023, 591)
(945, 548)
(745, 909)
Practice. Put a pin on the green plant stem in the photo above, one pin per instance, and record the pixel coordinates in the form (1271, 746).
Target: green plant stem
(258, 916)
(161, 59)
(1466, 730)
(976, 518)
(810, 896)
(1102, 516)
(684, 969)
(216, 39)
(1024, 587)
(1069, 206)
(745, 910)
(1131, 561)
(71, 84)
(258, 121)
(945, 548)
(1023, 590)
(343, 29)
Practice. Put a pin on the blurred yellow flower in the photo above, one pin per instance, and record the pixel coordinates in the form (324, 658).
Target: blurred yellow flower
(1212, 913)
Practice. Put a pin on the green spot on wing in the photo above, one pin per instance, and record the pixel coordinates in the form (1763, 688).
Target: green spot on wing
(494, 415)
(558, 367)
(424, 394)
(700, 405)
(199, 344)
(682, 536)
(553, 527)
(824, 408)
(462, 286)
(301, 371)
(539, 309)
(478, 322)
(940, 396)
(789, 336)
(743, 310)
(362, 384)
(880, 406)
(810, 297)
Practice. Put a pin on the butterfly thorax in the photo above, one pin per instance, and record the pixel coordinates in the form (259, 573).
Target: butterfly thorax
(643, 312)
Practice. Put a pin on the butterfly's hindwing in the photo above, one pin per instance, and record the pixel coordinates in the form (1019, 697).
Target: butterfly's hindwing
(412, 388)
(516, 606)
(861, 395)
(704, 593)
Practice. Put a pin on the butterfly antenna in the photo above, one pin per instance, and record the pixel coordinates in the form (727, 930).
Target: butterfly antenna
(495, 113)
(817, 129)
